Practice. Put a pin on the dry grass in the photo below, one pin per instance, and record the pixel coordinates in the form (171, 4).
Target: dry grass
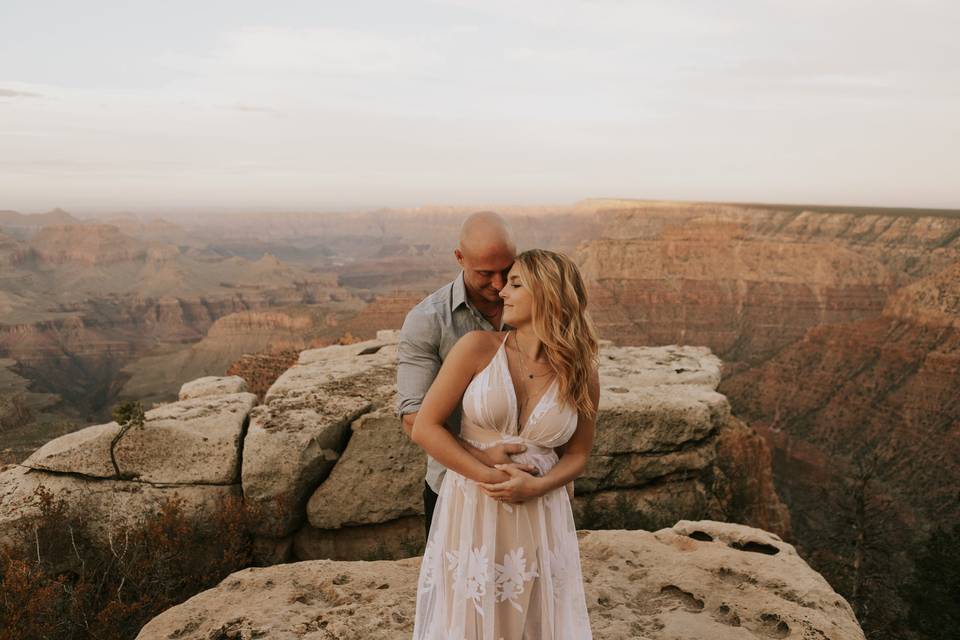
(56, 583)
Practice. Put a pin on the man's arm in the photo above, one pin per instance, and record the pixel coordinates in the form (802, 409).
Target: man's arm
(417, 367)
(442, 398)
(418, 363)
(497, 454)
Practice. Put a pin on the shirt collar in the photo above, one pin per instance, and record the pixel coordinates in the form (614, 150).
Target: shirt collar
(458, 293)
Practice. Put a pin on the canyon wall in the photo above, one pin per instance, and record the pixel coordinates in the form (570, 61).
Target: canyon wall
(747, 280)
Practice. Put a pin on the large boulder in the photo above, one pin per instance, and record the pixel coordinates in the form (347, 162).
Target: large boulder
(381, 472)
(692, 581)
(212, 386)
(297, 436)
(196, 441)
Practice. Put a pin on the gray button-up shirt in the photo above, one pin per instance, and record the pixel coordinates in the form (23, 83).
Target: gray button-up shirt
(429, 332)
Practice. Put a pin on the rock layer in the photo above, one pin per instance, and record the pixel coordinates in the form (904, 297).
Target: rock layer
(693, 581)
(330, 473)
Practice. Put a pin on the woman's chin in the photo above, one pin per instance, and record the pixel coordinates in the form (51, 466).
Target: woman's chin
(513, 320)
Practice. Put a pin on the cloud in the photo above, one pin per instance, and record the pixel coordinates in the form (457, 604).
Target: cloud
(334, 52)
(10, 93)
(247, 108)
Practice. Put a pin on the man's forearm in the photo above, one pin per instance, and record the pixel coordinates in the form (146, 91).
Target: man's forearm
(483, 455)
(476, 452)
(406, 421)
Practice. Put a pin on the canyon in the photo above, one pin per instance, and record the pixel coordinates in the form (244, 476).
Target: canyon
(836, 327)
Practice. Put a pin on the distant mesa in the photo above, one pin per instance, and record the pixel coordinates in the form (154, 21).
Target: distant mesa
(36, 220)
(85, 244)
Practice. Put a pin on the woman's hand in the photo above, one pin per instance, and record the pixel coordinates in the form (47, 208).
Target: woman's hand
(520, 487)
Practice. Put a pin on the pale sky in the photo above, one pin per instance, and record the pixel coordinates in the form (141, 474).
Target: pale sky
(147, 106)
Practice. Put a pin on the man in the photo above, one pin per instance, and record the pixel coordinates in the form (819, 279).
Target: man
(485, 253)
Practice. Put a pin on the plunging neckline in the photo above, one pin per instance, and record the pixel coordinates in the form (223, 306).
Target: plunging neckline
(513, 391)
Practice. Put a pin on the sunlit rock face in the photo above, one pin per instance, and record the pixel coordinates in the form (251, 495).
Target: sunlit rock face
(695, 580)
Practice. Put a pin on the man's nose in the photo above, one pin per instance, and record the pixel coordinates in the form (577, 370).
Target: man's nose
(498, 281)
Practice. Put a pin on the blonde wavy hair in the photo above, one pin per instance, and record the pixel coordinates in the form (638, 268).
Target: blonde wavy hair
(561, 322)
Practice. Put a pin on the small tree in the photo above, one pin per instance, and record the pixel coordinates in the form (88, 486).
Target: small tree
(865, 537)
(127, 415)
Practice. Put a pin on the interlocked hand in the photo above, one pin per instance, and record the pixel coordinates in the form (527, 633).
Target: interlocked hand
(521, 486)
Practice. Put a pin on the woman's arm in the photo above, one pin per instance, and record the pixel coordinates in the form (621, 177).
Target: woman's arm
(444, 394)
(522, 486)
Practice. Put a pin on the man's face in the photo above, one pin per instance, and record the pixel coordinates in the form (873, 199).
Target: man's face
(485, 274)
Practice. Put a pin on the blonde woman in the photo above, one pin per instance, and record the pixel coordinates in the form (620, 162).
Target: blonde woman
(502, 559)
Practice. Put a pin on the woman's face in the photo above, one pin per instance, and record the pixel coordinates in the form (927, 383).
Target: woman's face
(517, 300)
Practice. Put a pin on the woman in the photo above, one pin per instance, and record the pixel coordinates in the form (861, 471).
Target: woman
(502, 560)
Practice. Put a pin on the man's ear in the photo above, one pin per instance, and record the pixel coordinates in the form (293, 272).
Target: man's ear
(459, 256)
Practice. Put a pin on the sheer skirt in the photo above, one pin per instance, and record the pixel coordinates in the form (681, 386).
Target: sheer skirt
(493, 570)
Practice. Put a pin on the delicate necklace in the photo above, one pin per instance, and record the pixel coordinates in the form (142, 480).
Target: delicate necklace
(523, 367)
(526, 395)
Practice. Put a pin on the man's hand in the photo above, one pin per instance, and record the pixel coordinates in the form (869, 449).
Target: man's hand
(499, 454)
(519, 488)
(406, 421)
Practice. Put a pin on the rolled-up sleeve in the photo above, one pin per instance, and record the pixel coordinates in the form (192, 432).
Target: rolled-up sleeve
(419, 359)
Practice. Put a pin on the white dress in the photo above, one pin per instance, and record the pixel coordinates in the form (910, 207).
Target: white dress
(493, 570)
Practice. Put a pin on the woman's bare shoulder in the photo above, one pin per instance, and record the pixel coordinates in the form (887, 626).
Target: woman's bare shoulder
(481, 338)
(478, 346)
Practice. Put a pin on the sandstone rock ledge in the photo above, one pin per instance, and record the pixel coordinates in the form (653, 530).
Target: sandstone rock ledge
(699, 580)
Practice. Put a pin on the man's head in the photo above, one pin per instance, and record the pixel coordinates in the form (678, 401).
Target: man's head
(485, 253)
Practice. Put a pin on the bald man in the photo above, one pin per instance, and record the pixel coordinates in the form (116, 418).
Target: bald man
(485, 254)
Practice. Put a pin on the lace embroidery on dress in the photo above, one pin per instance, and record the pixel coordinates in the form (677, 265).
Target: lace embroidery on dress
(470, 578)
(511, 577)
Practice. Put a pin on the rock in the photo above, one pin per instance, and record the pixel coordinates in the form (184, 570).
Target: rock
(658, 419)
(654, 451)
(84, 452)
(312, 599)
(297, 436)
(212, 386)
(707, 579)
(692, 581)
(388, 336)
(381, 470)
(647, 507)
(268, 551)
(744, 480)
(192, 441)
(621, 471)
(104, 505)
(391, 540)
